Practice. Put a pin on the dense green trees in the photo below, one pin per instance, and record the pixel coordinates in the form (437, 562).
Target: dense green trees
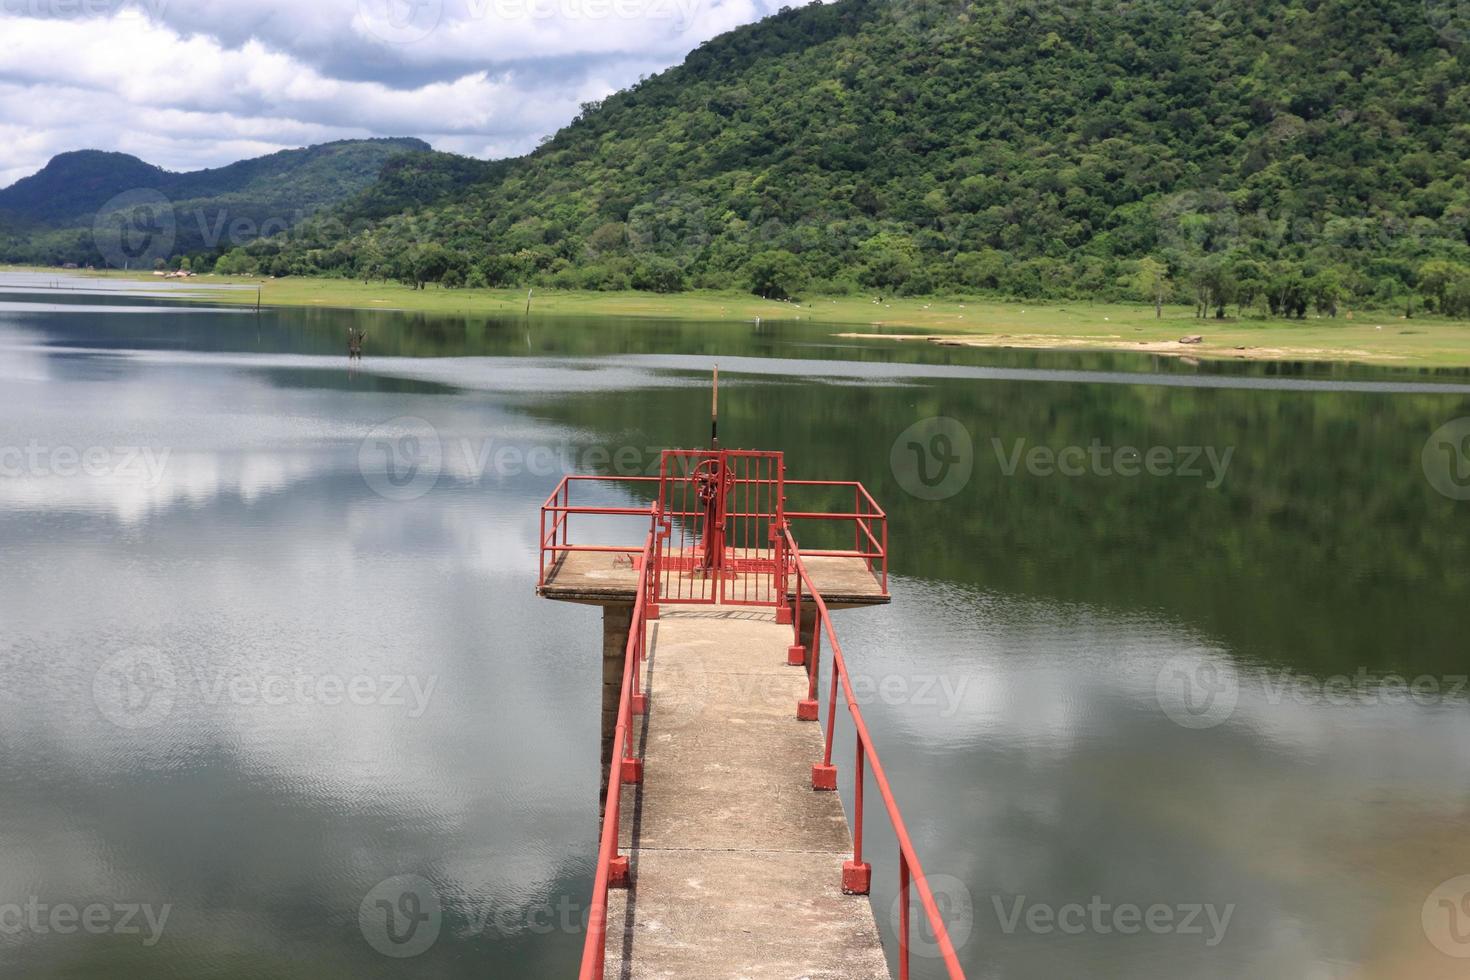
(1305, 157)
(777, 274)
(1302, 157)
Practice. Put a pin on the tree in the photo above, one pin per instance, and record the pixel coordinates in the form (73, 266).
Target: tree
(658, 275)
(1286, 292)
(1438, 277)
(428, 263)
(1213, 285)
(980, 270)
(776, 274)
(1250, 282)
(1151, 281)
(888, 260)
(1326, 289)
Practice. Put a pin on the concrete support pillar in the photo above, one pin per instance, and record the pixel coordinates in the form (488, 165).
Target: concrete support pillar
(617, 620)
(808, 627)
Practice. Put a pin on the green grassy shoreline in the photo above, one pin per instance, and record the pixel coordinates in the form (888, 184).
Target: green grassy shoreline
(1366, 337)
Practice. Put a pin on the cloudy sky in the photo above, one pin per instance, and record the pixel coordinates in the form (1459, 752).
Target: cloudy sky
(187, 84)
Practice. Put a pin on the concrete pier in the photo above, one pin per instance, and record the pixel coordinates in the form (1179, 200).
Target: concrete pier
(617, 619)
(736, 861)
(718, 860)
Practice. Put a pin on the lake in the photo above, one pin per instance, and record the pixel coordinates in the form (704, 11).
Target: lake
(1172, 683)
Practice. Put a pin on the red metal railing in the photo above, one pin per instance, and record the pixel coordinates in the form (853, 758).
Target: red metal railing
(869, 521)
(856, 873)
(870, 532)
(556, 519)
(869, 526)
(720, 512)
(612, 868)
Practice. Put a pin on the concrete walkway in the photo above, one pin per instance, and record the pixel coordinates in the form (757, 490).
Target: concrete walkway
(736, 861)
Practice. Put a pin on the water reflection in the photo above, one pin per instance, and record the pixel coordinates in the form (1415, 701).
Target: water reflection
(1038, 621)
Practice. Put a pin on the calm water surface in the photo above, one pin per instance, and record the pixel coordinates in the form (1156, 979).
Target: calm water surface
(249, 672)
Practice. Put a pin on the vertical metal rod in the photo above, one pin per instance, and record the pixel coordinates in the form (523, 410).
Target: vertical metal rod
(832, 701)
(816, 658)
(714, 412)
(857, 801)
(885, 556)
(903, 916)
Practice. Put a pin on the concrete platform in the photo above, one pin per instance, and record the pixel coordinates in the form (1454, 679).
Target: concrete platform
(736, 861)
(603, 577)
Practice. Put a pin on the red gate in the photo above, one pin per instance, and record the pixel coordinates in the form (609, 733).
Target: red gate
(720, 514)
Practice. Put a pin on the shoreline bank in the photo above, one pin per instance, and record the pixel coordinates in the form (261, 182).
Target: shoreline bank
(1378, 338)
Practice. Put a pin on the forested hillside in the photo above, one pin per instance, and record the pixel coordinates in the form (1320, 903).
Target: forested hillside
(55, 215)
(1287, 157)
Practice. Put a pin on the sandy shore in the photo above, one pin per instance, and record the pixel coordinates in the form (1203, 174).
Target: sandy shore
(1174, 348)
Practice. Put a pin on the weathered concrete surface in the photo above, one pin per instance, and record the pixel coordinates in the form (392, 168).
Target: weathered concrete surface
(617, 621)
(737, 863)
(602, 577)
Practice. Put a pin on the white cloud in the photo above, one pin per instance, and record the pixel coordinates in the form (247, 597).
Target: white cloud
(190, 85)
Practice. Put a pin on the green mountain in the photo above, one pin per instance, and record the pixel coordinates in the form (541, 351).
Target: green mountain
(1284, 155)
(95, 208)
(1297, 155)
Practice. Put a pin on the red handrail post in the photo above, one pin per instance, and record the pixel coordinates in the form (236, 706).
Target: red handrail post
(824, 773)
(857, 874)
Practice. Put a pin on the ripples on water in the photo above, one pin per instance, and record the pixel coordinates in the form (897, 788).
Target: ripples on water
(1038, 623)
